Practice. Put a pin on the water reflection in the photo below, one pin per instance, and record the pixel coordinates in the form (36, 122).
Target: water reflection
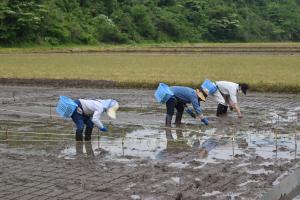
(183, 145)
(271, 144)
(146, 143)
(207, 146)
(175, 140)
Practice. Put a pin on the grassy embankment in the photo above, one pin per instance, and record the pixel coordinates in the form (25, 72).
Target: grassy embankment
(273, 73)
(107, 47)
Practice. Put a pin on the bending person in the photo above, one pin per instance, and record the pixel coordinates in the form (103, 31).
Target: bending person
(182, 96)
(226, 94)
(89, 112)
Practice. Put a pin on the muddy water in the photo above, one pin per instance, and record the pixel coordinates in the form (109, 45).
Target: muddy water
(230, 158)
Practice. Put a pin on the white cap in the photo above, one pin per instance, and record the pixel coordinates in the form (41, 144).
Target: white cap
(111, 112)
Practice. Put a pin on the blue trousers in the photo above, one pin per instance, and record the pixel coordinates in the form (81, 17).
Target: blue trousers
(80, 120)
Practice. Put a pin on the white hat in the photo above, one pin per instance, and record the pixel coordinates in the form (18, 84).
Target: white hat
(111, 112)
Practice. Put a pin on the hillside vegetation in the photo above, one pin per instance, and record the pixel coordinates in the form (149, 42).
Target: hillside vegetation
(57, 22)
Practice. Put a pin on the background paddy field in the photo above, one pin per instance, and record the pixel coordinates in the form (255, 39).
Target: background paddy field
(267, 68)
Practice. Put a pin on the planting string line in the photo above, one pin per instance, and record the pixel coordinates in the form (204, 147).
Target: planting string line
(9, 140)
(228, 139)
(39, 134)
(142, 105)
(218, 148)
(236, 148)
(119, 122)
(122, 123)
(69, 134)
(179, 129)
(149, 126)
(154, 103)
(54, 116)
(131, 138)
(29, 113)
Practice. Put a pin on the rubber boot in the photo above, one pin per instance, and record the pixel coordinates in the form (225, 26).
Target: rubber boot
(178, 118)
(221, 110)
(168, 120)
(89, 149)
(88, 134)
(79, 136)
(79, 148)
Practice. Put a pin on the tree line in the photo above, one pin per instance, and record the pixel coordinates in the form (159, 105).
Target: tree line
(58, 22)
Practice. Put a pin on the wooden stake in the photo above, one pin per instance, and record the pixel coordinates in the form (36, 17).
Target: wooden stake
(233, 139)
(13, 94)
(50, 111)
(276, 144)
(295, 144)
(123, 146)
(98, 139)
(6, 133)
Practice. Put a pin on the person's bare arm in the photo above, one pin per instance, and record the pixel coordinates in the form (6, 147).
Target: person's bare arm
(238, 110)
(236, 107)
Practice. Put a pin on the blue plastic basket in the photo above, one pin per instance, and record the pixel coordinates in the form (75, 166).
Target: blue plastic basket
(210, 86)
(65, 107)
(163, 93)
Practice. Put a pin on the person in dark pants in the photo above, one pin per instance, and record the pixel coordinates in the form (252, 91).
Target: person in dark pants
(89, 112)
(182, 96)
(226, 95)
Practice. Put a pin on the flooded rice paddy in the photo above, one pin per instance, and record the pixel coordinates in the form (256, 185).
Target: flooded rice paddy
(229, 159)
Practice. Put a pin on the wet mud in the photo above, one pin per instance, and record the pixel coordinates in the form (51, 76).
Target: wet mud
(141, 159)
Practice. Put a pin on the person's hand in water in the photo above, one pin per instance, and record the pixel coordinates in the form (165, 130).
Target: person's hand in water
(205, 121)
(103, 129)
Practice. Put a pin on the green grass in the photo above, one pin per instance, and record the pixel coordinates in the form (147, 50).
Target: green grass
(263, 72)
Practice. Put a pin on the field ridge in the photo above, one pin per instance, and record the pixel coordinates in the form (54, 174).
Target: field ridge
(82, 83)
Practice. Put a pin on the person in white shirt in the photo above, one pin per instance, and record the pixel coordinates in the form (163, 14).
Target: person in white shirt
(226, 94)
(88, 113)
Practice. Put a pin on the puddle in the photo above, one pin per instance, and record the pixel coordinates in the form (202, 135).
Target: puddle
(260, 171)
(179, 147)
(157, 144)
(214, 193)
(141, 144)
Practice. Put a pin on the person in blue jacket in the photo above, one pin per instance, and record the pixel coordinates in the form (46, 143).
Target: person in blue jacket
(182, 96)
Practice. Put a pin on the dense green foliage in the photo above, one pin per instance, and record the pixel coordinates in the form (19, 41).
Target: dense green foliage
(136, 21)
